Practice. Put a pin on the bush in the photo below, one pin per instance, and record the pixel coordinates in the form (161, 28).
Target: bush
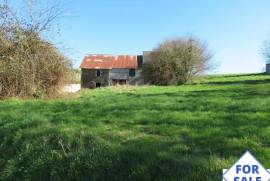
(176, 62)
(29, 64)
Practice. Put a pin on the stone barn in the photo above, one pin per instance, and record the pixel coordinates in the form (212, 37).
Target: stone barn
(107, 70)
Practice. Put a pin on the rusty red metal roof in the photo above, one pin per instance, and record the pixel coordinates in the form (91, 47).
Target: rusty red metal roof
(109, 62)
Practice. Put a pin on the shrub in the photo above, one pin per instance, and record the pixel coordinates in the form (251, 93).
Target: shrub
(29, 64)
(176, 62)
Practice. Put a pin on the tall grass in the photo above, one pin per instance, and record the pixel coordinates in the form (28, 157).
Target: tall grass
(188, 132)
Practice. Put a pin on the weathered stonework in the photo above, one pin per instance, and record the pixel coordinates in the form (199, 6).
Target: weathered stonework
(89, 78)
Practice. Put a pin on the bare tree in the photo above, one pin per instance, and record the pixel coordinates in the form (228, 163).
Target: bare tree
(177, 61)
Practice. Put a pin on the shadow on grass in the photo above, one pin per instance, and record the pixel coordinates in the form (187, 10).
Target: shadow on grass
(252, 82)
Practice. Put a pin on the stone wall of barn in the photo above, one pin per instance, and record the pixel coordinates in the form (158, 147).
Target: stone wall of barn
(146, 56)
(268, 68)
(89, 78)
(138, 79)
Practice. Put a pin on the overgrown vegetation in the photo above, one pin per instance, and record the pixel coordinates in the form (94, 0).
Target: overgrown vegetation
(188, 132)
(76, 76)
(29, 65)
(176, 62)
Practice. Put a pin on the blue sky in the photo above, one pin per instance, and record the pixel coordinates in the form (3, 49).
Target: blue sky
(233, 29)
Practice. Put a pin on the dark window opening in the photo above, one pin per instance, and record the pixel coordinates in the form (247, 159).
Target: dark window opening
(132, 72)
(98, 73)
(98, 85)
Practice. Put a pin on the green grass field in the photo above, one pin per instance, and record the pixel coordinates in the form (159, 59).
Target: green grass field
(188, 132)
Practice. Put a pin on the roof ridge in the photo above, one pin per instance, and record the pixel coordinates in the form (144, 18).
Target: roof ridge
(114, 55)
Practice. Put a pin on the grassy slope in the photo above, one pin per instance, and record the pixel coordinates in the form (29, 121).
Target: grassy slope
(189, 132)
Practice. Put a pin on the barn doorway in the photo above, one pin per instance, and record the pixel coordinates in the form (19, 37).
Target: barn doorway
(98, 85)
(119, 82)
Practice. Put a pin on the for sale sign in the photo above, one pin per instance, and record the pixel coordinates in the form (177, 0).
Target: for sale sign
(247, 168)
